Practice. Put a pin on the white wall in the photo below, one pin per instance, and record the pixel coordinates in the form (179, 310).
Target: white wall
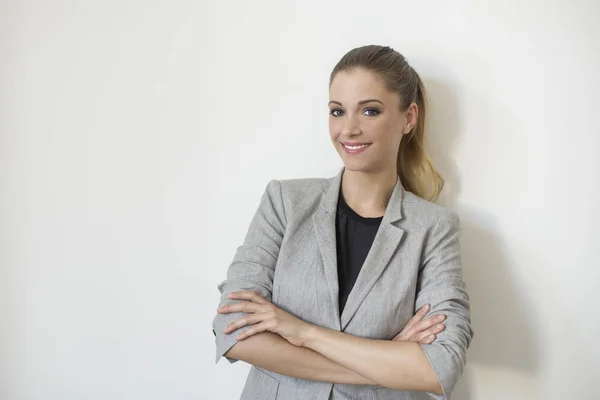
(137, 137)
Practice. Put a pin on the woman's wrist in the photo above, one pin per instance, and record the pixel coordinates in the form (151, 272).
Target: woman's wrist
(309, 335)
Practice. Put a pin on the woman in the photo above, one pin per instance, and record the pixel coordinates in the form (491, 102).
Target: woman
(319, 297)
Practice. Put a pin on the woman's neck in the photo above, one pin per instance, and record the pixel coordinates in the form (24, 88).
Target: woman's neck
(368, 193)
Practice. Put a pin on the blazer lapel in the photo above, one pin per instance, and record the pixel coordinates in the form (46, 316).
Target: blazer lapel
(324, 222)
(386, 242)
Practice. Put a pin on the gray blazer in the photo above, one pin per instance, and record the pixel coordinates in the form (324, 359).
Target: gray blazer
(289, 257)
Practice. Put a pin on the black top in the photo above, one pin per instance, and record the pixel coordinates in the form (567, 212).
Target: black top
(354, 237)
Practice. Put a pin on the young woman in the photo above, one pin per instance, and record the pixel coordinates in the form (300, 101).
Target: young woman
(320, 297)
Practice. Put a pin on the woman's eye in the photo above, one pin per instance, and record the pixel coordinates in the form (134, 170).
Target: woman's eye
(369, 112)
(373, 112)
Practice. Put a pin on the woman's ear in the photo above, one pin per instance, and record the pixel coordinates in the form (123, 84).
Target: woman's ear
(412, 116)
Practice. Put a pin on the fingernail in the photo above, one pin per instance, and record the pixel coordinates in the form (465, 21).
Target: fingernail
(441, 317)
(426, 306)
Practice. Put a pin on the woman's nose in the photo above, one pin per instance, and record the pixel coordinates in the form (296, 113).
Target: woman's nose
(351, 126)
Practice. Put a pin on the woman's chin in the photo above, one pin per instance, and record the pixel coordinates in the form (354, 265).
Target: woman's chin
(357, 166)
(366, 166)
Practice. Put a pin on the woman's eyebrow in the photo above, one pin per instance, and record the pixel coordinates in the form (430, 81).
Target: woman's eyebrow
(359, 103)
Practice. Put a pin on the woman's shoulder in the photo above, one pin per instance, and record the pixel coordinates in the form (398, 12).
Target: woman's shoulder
(305, 185)
(425, 212)
(302, 189)
(299, 195)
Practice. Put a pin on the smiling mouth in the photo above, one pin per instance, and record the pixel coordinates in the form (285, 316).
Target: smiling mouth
(355, 146)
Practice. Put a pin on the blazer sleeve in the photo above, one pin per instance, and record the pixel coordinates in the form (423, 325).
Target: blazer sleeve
(253, 264)
(441, 285)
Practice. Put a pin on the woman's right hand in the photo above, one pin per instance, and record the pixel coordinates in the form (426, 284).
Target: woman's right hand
(422, 330)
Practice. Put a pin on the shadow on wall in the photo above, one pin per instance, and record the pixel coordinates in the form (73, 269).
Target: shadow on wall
(502, 317)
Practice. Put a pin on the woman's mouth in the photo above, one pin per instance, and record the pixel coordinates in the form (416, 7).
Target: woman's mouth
(355, 148)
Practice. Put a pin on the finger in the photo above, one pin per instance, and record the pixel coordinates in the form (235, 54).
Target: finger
(418, 317)
(253, 330)
(428, 339)
(248, 295)
(243, 306)
(434, 330)
(249, 319)
(429, 322)
(417, 329)
(420, 314)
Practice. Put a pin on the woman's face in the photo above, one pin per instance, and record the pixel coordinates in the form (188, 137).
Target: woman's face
(365, 121)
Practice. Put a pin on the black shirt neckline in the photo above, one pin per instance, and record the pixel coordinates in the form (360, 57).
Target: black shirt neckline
(354, 215)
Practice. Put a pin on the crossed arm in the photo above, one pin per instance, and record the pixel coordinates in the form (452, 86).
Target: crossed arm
(337, 357)
(270, 351)
(316, 358)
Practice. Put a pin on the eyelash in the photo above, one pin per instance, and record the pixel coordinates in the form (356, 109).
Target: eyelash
(377, 112)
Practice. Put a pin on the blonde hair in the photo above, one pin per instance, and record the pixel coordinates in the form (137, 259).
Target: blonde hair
(415, 169)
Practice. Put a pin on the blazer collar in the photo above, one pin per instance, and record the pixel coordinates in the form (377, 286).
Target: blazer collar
(386, 242)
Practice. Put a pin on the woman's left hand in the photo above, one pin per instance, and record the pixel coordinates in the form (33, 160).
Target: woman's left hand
(264, 316)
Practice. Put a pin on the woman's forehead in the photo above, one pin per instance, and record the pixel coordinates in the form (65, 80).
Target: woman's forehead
(355, 86)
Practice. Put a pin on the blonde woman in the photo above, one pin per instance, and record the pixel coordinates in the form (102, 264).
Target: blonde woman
(351, 287)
